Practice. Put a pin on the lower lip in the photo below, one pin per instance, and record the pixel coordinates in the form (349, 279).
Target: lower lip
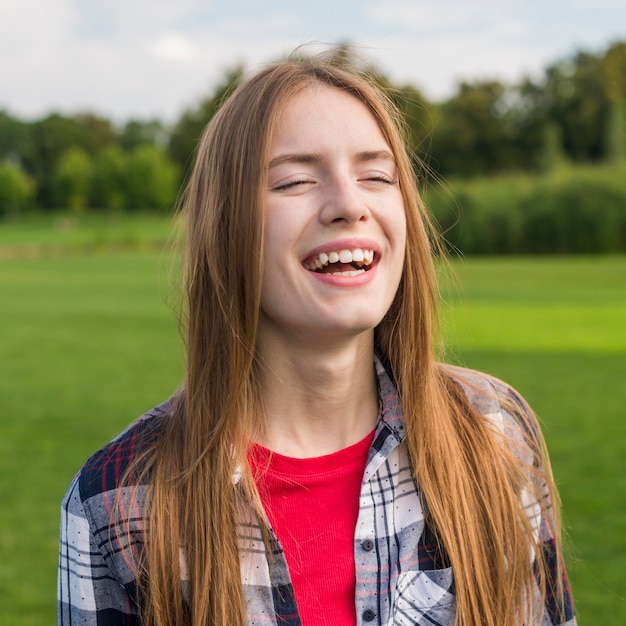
(346, 281)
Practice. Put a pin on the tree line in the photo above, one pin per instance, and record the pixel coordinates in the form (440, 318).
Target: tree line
(575, 112)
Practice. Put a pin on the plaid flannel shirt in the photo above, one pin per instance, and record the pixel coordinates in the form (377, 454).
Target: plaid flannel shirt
(401, 577)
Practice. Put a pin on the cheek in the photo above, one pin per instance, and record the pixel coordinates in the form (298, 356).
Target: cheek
(280, 225)
(278, 247)
(402, 228)
(273, 239)
(269, 226)
(398, 229)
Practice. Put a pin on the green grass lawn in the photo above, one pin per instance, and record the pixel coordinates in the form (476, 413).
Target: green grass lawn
(87, 343)
(556, 330)
(56, 234)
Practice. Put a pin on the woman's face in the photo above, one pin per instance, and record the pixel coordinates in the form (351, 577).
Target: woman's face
(335, 224)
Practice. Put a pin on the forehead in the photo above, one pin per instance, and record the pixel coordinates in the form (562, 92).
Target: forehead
(320, 114)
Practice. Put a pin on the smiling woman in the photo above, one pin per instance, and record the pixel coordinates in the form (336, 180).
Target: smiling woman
(318, 465)
(333, 195)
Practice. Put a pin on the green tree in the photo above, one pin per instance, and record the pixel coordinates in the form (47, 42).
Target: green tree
(575, 101)
(139, 133)
(151, 179)
(96, 133)
(538, 140)
(72, 179)
(13, 137)
(551, 155)
(108, 180)
(51, 137)
(474, 134)
(186, 133)
(614, 80)
(16, 189)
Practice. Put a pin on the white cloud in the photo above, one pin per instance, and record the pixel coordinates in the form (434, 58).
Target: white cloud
(436, 66)
(155, 57)
(148, 15)
(30, 27)
(442, 43)
(428, 17)
(129, 59)
(173, 47)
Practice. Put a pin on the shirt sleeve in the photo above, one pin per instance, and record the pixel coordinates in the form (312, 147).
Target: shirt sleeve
(557, 611)
(88, 592)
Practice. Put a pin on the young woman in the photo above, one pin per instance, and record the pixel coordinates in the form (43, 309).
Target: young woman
(318, 465)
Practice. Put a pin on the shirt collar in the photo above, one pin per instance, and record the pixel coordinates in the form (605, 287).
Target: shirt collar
(391, 430)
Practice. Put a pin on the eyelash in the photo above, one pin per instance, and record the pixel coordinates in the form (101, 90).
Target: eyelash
(289, 184)
(382, 179)
(377, 178)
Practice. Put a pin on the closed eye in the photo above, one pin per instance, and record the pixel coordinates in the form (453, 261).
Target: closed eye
(291, 184)
(380, 178)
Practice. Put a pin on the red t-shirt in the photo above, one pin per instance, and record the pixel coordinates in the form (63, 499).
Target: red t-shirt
(313, 505)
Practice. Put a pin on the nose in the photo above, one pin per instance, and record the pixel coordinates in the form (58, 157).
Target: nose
(343, 202)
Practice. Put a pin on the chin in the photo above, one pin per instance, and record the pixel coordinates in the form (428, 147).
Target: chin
(352, 326)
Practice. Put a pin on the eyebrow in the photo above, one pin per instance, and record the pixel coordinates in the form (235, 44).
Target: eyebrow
(306, 157)
(295, 158)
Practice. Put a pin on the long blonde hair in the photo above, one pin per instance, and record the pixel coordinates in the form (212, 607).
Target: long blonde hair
(470, 482)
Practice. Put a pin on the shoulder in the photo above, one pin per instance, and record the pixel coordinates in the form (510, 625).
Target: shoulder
(502, 405)
(103, 523)
(104, 470)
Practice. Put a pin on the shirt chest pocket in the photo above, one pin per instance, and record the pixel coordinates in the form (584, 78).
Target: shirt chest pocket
(424, 597)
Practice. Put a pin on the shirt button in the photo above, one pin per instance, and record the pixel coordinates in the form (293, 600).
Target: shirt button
(368, 615)
(367, 545)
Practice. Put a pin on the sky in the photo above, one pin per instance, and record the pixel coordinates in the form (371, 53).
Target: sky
(144, 59)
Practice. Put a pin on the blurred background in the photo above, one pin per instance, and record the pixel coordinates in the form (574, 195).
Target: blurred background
(516, 115)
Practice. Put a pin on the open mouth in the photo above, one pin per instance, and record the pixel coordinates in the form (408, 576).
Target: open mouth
(344, 262)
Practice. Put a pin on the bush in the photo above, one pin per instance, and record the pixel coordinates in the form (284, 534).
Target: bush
(570, 211)
(16, 189)
(151, 179)
(72, 179)
(144, 178)
(108, 182)
(577, 216)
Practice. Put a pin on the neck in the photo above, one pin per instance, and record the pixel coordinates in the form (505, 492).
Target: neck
(318, 399)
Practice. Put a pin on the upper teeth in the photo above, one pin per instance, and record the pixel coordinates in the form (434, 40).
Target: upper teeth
(357, 255)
